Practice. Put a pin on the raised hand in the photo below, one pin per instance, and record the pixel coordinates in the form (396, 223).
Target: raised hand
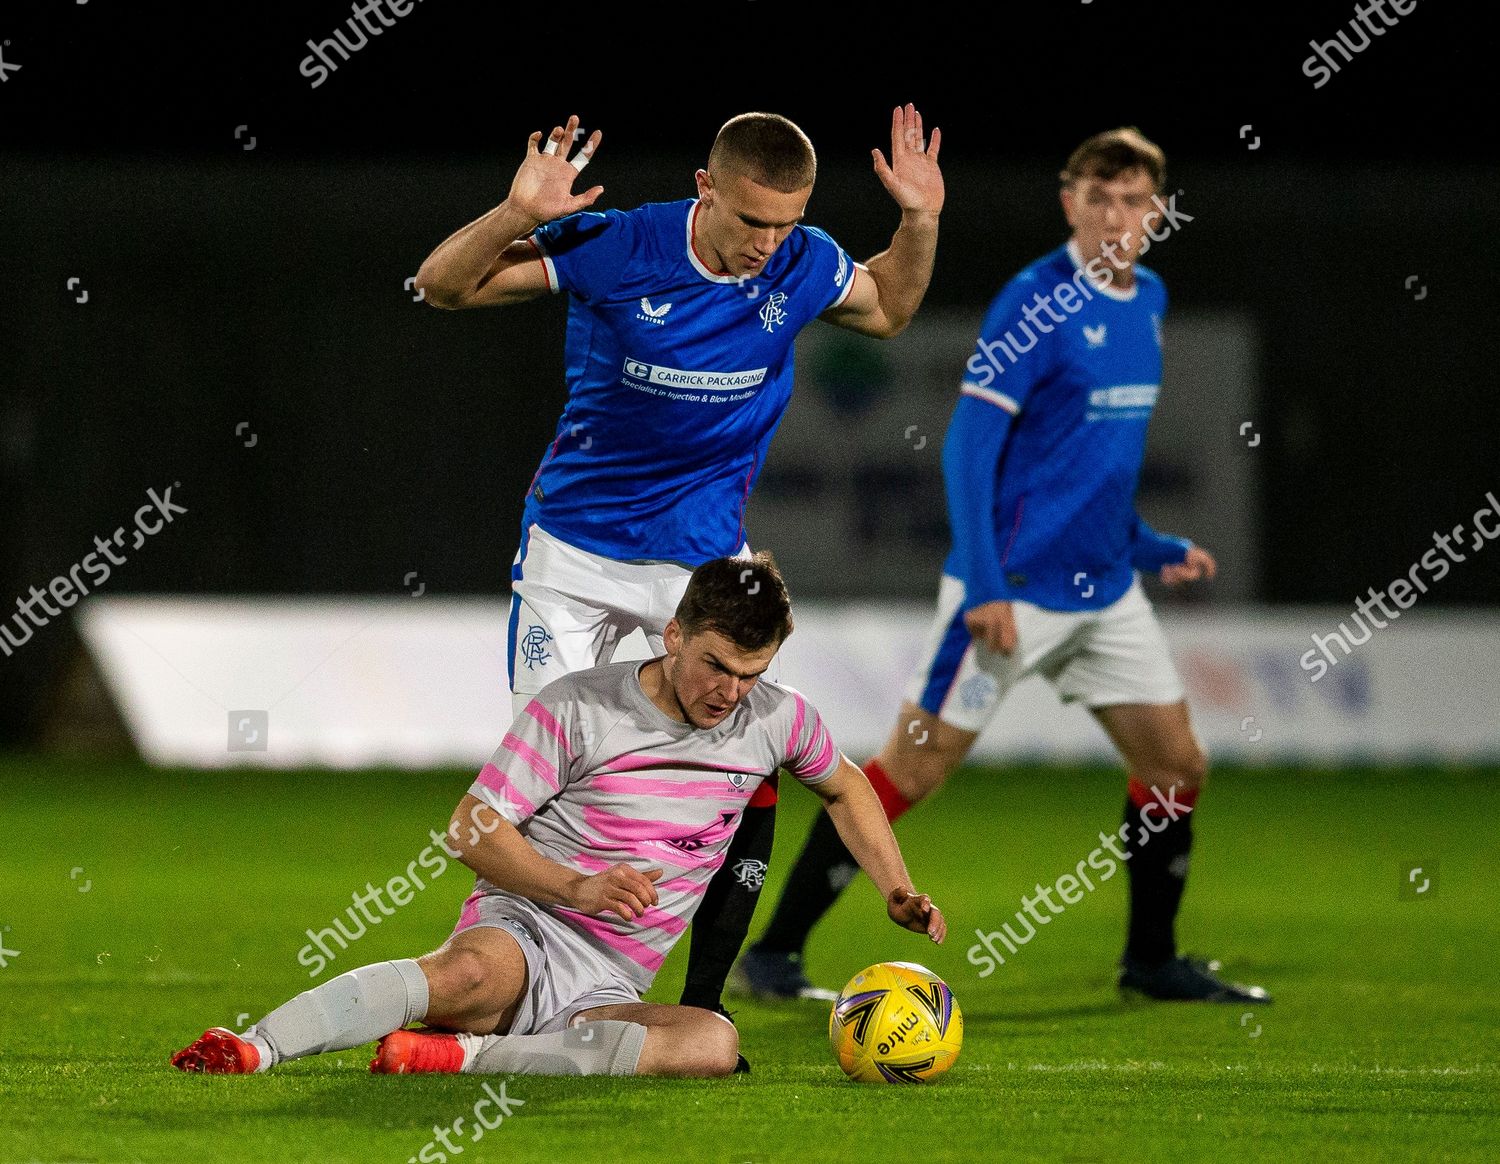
(915, 911)
(912, 178)
(543, 187)
(619, 889)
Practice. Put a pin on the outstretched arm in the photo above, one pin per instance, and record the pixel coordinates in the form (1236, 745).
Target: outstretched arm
(889, 288)
(862, 826)
(483, 264)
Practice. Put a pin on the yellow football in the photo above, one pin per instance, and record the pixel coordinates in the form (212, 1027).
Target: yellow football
(895, 1022)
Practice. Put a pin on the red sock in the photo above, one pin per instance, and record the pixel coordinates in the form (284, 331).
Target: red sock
(1143, 797)
(890, 796)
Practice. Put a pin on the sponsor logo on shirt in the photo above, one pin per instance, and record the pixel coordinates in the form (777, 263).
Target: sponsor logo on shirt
(656, 315)
(1123, 402)
(1095, 335)
(688, 378)
(695, 841)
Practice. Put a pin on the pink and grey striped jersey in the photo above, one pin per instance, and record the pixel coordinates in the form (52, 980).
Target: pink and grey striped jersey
(593, 774)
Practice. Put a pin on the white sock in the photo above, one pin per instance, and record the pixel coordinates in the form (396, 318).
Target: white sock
(358, 1007)
(603, 1047)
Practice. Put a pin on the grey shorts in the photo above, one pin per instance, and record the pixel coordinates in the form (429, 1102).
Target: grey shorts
(564, 973)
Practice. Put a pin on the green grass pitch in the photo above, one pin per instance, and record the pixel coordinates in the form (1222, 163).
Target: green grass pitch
(138, 907)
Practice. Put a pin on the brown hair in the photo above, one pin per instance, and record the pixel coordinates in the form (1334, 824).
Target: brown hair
(1107, 155)
(766, 148)
(744, 599)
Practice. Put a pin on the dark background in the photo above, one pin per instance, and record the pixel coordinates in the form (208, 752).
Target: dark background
(260, 292)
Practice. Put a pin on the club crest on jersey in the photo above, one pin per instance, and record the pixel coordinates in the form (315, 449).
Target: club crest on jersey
(738, 779)
(771, 313)
(1095, 335)
(978, 692)
(656, 315)
(534, 647)
(750, 873)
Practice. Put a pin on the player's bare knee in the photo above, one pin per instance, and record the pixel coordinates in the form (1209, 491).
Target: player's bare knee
(909, 778)
(923, 775)
(458, 978)
(718, 1051)
(1191, 768)
(1185, 770)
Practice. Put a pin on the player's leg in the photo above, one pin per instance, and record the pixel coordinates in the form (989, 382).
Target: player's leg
(949, 699)
(475, 981)
(357, 1007)
(680, 1040)
(1124, 673)
(634, 1038)
(1166, 769)
(476, 978)
(639, 1038)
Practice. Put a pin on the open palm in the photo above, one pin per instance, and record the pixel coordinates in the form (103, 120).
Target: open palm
(912, 178)
(543, 186)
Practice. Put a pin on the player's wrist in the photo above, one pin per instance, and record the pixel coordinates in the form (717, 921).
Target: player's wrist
(518, 217)
(919, 216)
(570, 891)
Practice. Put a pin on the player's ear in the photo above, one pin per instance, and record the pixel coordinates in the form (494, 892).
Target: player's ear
(1066, 197)
(705, 186)
(671, 637)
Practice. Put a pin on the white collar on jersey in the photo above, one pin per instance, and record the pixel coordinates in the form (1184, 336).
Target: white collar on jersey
(698, 264)
(1104, 289)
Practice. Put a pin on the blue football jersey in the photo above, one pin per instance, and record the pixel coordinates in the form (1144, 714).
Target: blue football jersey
(677, 378)
(1043, 454)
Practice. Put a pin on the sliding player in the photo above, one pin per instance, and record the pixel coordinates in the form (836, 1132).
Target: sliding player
(615, 793)
(1041, 462)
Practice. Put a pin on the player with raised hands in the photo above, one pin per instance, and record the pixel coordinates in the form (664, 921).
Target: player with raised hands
(678, 360)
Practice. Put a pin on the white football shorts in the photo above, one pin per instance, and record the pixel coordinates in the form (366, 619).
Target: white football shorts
(570, 609)
(1113, 655)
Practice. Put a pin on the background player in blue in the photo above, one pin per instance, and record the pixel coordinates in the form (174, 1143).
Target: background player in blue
(681, 320)
(1041, 462)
